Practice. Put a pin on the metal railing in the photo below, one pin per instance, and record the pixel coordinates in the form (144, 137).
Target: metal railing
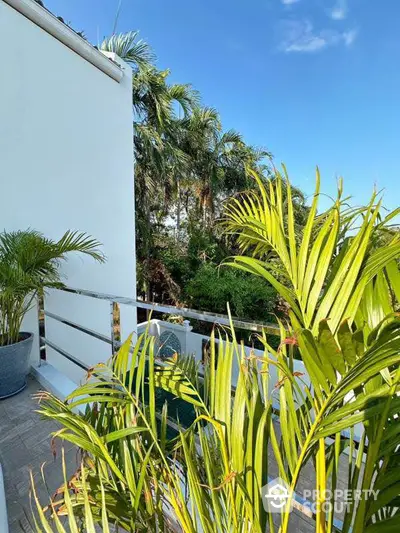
(204, 316)
(114, 340)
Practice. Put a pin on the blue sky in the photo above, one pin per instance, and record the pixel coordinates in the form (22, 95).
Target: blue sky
(314, 81)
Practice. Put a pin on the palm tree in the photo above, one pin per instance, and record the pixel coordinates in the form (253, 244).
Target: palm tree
(180, 148)
(324, 272)
(130, 48)
(185, 162)
(28, 264)
(157, 106)
(217, 160)
(135, 476)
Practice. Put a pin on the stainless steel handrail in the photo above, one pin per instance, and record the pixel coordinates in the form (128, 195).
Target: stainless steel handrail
(115, 301)
(203, 316)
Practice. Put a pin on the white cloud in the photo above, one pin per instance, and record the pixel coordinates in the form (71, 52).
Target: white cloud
(349, 37)
(339, 11)
(288, 2)
(300, 36)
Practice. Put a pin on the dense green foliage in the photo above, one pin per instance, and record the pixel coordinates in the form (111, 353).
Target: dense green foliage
(340, 282)
(249, 298)
(188, 271)
(186, 166)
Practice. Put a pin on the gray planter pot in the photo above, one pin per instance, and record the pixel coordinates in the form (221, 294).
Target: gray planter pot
(14, 365)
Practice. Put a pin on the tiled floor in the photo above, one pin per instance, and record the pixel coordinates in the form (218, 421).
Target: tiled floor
(25, 446)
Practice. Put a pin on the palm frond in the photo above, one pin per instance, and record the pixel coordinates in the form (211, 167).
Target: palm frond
(219, 464)
(328, 270)
(75, 241)
(29, 262)
(128, 47)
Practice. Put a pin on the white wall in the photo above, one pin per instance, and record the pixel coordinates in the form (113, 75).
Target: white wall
(66, 162)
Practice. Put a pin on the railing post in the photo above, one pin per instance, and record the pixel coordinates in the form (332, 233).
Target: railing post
(41, 317)
(31, 324)
(115, 317)
(188, 329)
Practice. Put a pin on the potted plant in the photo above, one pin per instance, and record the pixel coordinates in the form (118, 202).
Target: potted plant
(29, 262)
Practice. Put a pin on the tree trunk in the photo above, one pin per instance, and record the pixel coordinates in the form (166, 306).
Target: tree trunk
(178, 210)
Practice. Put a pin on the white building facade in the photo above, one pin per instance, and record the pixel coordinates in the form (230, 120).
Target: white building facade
(66, 162)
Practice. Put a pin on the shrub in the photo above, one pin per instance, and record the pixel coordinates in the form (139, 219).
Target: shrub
(212, 288)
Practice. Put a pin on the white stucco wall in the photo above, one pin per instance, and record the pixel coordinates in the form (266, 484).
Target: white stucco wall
(66, 162)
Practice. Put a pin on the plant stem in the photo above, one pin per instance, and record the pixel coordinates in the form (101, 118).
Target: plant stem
(372, 456)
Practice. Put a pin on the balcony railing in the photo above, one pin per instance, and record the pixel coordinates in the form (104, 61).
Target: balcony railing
(114, 339)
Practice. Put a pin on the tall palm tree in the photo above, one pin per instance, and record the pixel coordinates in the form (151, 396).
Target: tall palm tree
(179, 145)
(217, 160)
(156, 106)
(183, 156)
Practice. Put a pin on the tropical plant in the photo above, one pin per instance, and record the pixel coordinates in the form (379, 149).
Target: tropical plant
(342, 288)
(324, 272)
(157, 106)
(185, 164)
(217, 161)
(29, 262)
(130, 48)
(137, 477)
(209, 477)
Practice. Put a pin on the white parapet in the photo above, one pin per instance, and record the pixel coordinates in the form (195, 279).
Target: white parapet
(66, 35)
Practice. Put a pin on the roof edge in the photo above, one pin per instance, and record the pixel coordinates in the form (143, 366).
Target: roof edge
(66, 35)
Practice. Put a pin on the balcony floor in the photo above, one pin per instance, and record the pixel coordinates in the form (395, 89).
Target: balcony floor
(25, 446)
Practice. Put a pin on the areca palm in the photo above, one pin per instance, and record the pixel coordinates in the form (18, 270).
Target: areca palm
(325, 272)
(342, 289)
(29, 263)
(210, 477)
